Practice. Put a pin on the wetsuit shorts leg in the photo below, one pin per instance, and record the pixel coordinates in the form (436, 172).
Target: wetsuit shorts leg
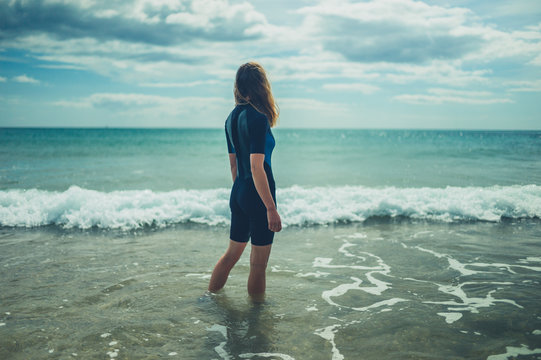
(249, 214)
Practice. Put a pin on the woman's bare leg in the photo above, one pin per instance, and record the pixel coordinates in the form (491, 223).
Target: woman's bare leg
(258, 265)
(225, 264)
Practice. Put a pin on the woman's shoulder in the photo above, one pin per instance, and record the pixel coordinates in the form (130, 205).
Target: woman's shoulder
(254, 115)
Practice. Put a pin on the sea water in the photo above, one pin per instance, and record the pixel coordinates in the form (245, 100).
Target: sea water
(398, 244)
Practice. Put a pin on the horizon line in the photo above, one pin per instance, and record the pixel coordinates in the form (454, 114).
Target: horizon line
(275, 128)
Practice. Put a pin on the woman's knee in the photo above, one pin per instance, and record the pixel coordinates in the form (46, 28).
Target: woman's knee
(230, 258)
(258, 267)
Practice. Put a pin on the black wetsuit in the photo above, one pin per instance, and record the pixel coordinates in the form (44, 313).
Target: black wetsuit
(248, 132)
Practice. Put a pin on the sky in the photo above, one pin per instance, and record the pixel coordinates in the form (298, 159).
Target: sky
(332, 63)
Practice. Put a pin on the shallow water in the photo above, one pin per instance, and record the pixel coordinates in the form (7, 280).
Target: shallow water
(377, 290)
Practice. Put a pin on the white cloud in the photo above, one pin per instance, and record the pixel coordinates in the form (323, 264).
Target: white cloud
(525, 86)
(122, 101)
(158, 22)
(536, 61)
(127, 62)
(25, 79)
(437, 72)
(413, 32)
(390, 30)
(130, 102)
(311, 105)
(446, 96)
(182, 84)
(155, 110)
(192, 20)
(353, 87)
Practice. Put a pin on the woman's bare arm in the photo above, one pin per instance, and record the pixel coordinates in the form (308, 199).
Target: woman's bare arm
(262, 186)
(233, 164)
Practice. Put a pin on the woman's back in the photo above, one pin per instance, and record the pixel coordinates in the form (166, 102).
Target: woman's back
(248, 132)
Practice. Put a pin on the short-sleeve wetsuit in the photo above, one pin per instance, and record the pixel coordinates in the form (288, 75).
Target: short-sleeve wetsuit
(248, 132)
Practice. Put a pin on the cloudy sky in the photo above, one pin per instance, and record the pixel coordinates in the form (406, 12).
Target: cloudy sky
(332, 63)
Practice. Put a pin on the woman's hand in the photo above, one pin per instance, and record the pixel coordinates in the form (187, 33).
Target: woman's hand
(273, 218)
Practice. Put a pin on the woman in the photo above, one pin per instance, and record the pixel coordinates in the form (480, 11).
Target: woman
(253, 200)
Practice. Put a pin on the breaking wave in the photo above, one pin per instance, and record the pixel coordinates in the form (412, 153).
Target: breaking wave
(300, 206)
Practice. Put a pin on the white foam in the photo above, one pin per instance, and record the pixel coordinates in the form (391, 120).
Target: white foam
(512, 352)
(311, 308)
(340, 290)
(450, 317)
(328, 333)
(266, 354)
(343, 248)
(388, 302)
(172, 353)
(104, 335)
(323, 205)
(326, 263)
(112, 343)
(3, 324)
(507, 267)
(461, 268)
(276, 268)
(130, 209)
(82, 208)
(316, 274)
(453, 263)
(472, 304)
(536, 332)
(202, 276)
(352, 236)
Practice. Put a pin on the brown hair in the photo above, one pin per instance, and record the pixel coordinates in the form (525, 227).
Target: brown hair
(252, 86)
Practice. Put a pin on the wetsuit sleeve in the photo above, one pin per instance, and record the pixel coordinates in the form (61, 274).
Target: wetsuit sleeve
(230, 147)
(258, 133)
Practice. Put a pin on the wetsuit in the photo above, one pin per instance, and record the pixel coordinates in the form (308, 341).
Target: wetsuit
(248, 132)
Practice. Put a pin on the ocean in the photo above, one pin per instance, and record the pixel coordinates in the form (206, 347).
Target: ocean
(397, 244)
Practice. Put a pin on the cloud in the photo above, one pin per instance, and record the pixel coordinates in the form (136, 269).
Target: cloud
(136, 102)
(307, 104)
(353, 87)
(2, 79)
(451, 96)
(412, 32)
(25, 79)
(525, 86)
(396, 31)
(181, 84)
(153, 110)
(134, 41)
(143, 21)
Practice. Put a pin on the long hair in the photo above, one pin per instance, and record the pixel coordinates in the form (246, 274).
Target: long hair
(253, 87)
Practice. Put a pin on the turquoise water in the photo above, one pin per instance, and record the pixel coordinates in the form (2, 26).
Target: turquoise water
(170, 159)
(396, 245)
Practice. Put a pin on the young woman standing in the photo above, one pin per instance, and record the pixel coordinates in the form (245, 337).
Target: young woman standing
(253, 197)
